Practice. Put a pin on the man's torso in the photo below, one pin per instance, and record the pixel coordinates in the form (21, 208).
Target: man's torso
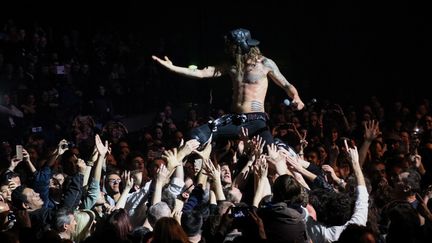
(250, 87)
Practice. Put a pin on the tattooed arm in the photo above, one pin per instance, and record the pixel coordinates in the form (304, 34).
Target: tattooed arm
(282, 82)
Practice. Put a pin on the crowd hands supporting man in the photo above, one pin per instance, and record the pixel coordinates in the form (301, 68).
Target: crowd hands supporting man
(331, 174)
(298, 189)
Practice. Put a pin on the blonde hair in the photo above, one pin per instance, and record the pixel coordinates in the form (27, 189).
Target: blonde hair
(240, 59)
(84, 219)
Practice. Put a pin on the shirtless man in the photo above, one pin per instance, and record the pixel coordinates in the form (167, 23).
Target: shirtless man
(249, 71)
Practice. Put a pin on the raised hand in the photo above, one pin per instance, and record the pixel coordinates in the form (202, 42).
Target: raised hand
(294, 163)
(26, 156)
(162, 174)
(166, 62)
(205, 153)
(329, 169)
(14, 163)
(187, 148)
(258, 145)
(272, 151)
(103, 149)
(93, 157)
(261, 167)
(62, 147)
(172, 159)
(371, 130)
(352, 153)
(211, 170)
(129, 180)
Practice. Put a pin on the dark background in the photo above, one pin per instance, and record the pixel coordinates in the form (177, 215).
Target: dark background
(340, 50)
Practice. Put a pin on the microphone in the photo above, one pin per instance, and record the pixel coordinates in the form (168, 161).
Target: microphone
(288, 103)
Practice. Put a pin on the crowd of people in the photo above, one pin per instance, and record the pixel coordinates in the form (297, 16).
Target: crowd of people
(323, 172)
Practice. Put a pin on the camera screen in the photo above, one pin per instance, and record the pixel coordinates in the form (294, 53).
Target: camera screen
(239, 212)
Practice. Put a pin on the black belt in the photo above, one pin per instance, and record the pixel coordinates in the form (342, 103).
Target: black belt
(237, 119)
(253, 116)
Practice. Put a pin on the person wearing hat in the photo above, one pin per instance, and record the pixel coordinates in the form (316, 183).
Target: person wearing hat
(249, 71)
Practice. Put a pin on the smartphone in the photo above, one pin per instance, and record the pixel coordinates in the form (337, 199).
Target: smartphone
(36, 129)
(19, 152)
(60, 70)
(239, 212)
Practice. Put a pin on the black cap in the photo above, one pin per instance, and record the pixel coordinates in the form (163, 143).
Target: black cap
(242, 38)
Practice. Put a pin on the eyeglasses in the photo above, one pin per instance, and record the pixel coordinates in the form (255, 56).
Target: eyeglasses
(114, 181)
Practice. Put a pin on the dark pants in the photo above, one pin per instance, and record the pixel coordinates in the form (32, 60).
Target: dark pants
(229, 127)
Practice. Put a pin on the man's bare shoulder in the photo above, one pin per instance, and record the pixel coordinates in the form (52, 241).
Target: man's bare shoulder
(267, 62)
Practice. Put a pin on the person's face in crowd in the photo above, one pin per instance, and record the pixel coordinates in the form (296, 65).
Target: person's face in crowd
(153, 154)
(4, 206)
(114, 183)
(156, 165)
(34, 201)
(296, 122)
(76, 152)
(334, 135)
(70, 228)
(322, 152)
(78, 164)
(405, 138)
(283, 132)
(6, 193)
(110, 160)
(225, 175)
(404, 165)
(34, 155)
(116, 132)
(428, 122)
(379, 171)
(189, 168)
(6, 148)
(379, 150)
(124, 148)
(236, 194)
(313, 119)
(148, 137)
(344, 171)
(168, 111)
(158, 133)
(313, 158)
(178, 137)
(138, 163)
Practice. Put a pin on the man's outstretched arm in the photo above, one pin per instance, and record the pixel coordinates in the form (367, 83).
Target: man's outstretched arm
(282, 82)
(208, 72)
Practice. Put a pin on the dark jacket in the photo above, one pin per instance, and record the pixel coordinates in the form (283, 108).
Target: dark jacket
(43, 218)
(283, 223)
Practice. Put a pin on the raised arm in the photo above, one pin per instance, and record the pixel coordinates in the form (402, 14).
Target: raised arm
(282, 82)
(191, 72)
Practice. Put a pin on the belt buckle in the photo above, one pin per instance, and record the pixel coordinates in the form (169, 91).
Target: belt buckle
(242, 118)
